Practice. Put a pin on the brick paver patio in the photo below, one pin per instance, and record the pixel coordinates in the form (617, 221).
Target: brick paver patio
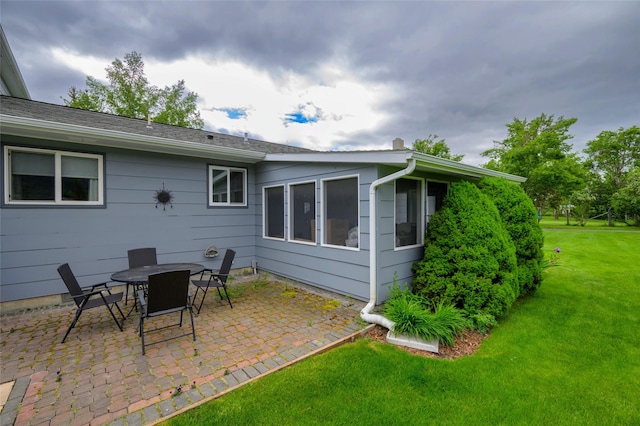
(99, 375)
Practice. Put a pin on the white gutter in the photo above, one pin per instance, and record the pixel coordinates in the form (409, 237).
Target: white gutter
(42, 129)
(365, 313)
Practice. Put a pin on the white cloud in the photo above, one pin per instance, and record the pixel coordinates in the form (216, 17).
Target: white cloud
(88, 65)
(346, 104)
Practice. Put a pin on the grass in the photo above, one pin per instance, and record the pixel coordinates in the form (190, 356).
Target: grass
(549, 222)
(567, 355)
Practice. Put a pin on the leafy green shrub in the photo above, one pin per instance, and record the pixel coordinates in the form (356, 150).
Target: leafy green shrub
(412, 317)
(482, 322)
(469, 260)
(520, 219)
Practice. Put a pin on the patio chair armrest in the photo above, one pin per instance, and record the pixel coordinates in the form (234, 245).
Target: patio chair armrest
(205, 271)
(94, 286)
(219, 276)
(88, 294)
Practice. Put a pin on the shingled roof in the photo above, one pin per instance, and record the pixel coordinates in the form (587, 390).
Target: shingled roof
(66, 115)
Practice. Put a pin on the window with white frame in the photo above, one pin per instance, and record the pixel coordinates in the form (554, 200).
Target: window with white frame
(341, 212)
(227, 186)
(35, 176)
(408, 212)
(273, 211)
(302, 212)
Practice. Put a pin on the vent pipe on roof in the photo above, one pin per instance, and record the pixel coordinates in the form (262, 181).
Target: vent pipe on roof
(149, 121)
(246, 140)
(398, 143)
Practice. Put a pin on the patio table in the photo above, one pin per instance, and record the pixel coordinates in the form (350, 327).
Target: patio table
(141, 273)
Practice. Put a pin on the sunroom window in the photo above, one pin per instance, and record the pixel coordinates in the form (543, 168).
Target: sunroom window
(273, 205)
(46, 177)
(341, 212)
(227, 186)
(302, 212)
(436, 192)
(408, 212)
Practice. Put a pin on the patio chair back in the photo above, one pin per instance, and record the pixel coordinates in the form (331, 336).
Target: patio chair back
(137, 258)
(168, 291)
(142, 257)
(223, 274)
(71, 282)
(216, 279)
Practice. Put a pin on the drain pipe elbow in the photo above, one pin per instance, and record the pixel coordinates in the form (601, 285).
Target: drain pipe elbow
(366, 314)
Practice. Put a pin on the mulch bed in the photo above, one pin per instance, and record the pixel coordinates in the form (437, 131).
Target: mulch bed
(465, 344)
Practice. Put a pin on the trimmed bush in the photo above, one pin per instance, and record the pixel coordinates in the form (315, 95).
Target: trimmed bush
(520, 219)
(469, 260)
(412, 317)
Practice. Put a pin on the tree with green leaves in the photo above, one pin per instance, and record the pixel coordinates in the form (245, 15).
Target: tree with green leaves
(613, 155)
(538, 150)
(611, 158)
(437, 148)
(129, 94)
(581, 205)
(626, 201)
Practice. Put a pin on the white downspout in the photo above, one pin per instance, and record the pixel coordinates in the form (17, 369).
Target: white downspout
(365, 313)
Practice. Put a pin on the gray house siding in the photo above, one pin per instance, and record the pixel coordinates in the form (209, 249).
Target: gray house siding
(392, 263)
(343, 270)
(94, 241)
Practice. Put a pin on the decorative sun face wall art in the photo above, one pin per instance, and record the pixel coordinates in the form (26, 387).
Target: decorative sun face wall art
(163, 196)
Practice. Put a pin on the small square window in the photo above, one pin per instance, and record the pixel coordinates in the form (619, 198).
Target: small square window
(227, 186)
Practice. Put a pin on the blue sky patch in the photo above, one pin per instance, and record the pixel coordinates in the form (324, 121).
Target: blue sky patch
(234, 113)
(307, 113)
(298, 117)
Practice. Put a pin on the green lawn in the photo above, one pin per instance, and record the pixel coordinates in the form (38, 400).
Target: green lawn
(568, 355)
(548, 222)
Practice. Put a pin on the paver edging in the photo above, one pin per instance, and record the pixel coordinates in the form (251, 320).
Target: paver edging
(349, 338)
(11, 408)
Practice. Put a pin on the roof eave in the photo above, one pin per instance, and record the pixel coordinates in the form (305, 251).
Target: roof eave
(442, 165)
(42, 129)
(398, 158)
(9, 70)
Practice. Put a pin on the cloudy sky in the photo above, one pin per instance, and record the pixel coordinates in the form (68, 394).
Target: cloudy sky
(352, 75)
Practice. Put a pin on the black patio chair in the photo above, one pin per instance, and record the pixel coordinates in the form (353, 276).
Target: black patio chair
(167, 292)
(217, 280)
(88, 297)
(139, 257)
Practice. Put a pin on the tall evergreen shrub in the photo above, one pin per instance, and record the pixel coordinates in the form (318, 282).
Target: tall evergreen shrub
(519, 217)
(469, 259)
